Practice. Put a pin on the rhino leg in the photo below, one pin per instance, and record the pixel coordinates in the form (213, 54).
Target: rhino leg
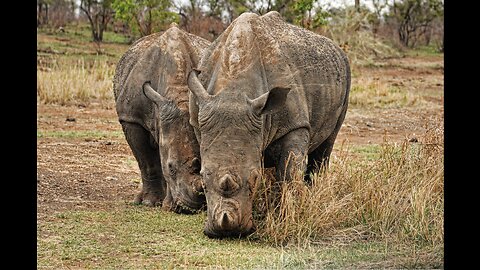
(288, 153)
(148, 159)
(320, 157)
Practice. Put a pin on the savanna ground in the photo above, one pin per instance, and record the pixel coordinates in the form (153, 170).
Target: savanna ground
(87, 176)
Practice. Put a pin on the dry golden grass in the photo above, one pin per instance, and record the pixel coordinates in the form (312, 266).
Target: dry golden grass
(396, 198)
(75, 81)
(369, 92)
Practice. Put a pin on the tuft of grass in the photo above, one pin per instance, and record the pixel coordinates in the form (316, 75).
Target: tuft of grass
(368, 92)
(396, 198)
(65, 83)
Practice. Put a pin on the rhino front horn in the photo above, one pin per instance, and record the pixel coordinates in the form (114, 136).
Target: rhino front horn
(228, 184)
(196, 87)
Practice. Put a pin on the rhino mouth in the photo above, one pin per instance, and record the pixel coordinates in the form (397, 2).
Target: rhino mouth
(188, 207)
(220, 234)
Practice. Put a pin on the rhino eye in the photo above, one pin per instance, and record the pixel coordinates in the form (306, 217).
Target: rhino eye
(171, 169)
(196, 165)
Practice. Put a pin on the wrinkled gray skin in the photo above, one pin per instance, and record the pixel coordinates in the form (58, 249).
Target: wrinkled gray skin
(265, 89)
(155, 118)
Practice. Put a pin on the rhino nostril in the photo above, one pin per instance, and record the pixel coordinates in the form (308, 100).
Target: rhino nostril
(225, 221)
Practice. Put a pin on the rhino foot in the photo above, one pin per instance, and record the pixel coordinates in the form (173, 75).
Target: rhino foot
(149, 198)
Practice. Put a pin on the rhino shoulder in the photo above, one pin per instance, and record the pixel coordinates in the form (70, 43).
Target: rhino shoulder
(128, 60)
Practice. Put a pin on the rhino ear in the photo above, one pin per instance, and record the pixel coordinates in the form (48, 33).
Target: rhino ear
(196, 87)
(153, 95)
(270, 102)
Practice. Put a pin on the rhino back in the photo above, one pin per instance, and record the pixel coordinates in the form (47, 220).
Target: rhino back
(316, 68)
(272, 53)
(164, 59)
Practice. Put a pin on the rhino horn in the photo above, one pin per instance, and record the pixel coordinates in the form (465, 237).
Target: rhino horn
(227, 184)
(227, 221)
(196, 87)
(151, 94)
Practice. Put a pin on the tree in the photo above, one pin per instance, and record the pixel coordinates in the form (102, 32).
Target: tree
(414, 18)
(99, 13)
(144, 16)
(42, 11)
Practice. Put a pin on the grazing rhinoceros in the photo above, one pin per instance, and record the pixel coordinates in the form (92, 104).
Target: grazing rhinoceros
(155, 118)
(266, 89)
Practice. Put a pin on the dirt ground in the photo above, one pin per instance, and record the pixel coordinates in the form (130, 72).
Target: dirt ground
(84, 162)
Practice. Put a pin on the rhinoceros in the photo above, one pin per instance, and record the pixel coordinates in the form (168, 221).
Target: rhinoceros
(264, 91)
(155, 119)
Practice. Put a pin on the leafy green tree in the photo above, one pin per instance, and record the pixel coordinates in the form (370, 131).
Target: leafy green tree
(144, 16)
(305, 14)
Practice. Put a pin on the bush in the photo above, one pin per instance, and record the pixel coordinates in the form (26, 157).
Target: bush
(352, 30)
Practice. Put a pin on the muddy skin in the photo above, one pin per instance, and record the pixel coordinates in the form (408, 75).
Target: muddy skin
(264, 93)
(151, 94)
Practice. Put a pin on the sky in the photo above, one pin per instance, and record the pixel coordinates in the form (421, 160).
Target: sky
(332, 3)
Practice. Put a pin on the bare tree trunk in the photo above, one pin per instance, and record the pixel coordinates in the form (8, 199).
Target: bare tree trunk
(45, 19)
(98, 16)
(357, 5)
(39, 15)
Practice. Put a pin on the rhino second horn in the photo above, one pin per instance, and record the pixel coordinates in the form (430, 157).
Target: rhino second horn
(227, 184)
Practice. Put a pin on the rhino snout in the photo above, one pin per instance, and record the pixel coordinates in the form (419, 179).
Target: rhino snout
(228, 223)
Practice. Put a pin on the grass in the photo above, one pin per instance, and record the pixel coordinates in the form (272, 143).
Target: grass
(82, 134)
(396, 197)
(367, 92)
(73, 69)
(133, 237)
(425, 51)
(65, 83)
(379, 208)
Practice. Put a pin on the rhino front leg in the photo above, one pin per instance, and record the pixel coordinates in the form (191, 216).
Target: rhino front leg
(288, 154)
(148, 159)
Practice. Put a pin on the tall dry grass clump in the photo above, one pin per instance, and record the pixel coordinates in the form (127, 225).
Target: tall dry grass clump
(75, 81)
(397, 198)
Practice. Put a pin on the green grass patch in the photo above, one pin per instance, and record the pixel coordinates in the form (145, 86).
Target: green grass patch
(135, 237)
(79, 134)
(368, 152)
(75, 43)
(430, 50)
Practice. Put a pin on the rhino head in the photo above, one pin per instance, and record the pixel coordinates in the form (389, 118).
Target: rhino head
(231, 137)
(180, 159)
